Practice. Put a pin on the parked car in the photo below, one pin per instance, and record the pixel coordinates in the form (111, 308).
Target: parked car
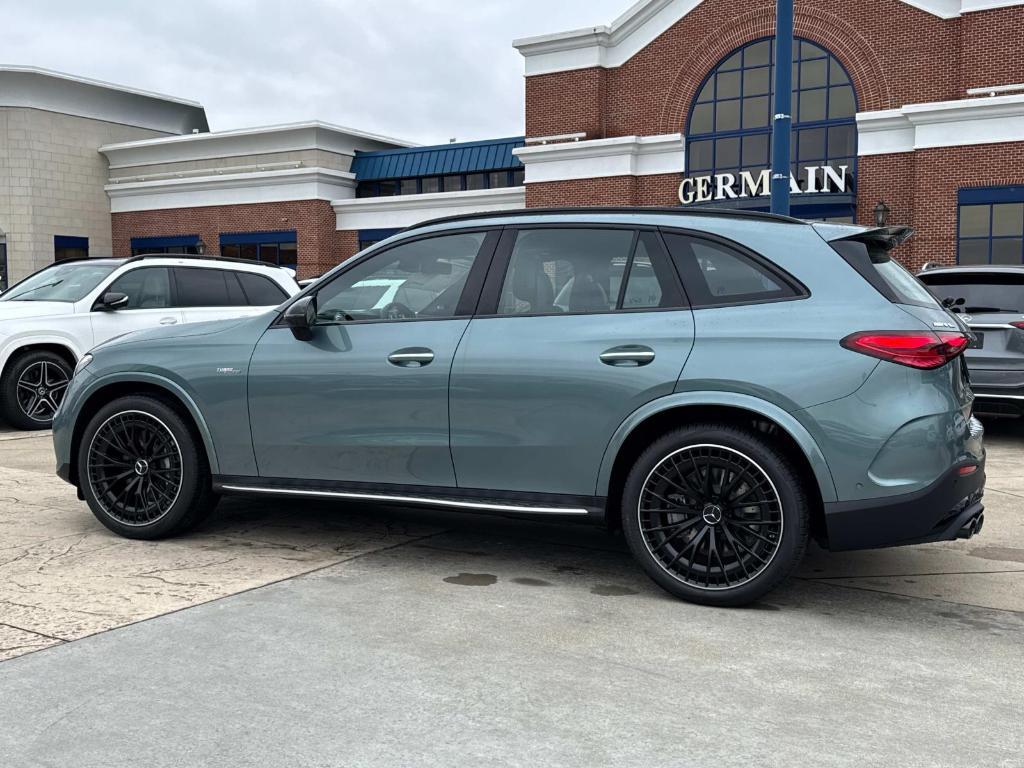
(52, 318)
(990, 300)
(781, 380)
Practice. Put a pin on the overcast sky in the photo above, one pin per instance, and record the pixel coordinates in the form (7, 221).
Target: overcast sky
(423, 70)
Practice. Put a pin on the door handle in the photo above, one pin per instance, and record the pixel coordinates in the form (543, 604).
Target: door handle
(411, 357)
(628, 356)
(168, 321)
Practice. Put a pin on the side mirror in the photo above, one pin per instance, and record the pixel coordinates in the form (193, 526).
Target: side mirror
(111, 301)
(301, 317)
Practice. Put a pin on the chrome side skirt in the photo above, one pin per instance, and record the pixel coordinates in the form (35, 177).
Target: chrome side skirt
(449, 503)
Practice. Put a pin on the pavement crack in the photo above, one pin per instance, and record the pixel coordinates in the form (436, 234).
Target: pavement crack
(32, 632)
(915, 597)
(907, 575)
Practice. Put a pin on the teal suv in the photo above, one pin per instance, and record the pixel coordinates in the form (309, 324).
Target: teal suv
(720, 386)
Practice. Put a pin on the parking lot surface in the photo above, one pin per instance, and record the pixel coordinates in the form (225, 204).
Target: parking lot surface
(301, 634)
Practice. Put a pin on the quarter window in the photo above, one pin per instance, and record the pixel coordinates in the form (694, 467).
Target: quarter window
(715, 274)
(554, 271)
(421, 279)
(260, 291)
(146, 288)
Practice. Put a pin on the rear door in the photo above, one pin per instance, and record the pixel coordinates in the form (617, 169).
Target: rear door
(150, 304)
(578, 327)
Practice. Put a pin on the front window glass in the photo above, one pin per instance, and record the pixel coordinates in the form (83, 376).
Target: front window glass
(146, 288)
(979, 292)
(62, 282)
(421, 279)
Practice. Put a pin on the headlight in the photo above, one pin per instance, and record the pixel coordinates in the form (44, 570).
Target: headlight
(82, 364)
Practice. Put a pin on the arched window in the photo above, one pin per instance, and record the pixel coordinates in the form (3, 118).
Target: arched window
(730, 124)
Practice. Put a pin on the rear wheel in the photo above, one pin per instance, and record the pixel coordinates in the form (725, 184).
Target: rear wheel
(33, 388)
(715, 514)
(143, 471)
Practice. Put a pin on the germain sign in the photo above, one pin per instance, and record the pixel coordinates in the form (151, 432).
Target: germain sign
(731, 186)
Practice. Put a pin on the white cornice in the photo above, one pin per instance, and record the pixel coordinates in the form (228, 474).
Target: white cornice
(37, 88)
(268, 139)
(992, 120)
(272, 186)
(619, 156)
(614, 44)
(406, 210)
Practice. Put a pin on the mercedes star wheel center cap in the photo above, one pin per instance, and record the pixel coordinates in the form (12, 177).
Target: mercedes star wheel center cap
(141, 467)
(712, 514)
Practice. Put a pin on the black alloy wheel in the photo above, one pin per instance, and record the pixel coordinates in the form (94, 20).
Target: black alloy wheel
(142, 469)
(715, 515)
(135, 468)
(33, 389)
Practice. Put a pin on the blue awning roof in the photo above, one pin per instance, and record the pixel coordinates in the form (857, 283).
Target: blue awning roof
(469, 157)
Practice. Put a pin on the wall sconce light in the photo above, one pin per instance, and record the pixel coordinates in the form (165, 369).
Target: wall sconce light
(882, 212)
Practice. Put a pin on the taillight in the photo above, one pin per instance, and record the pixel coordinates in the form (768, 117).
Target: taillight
(918, 349)
(1018, 324)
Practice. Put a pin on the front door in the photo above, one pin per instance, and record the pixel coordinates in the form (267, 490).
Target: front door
(580, 329)
(365, 400)
(149, 304)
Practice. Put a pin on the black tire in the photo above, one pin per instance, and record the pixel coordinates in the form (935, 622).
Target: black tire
(143, 471)
(32, 389)
(726, 543)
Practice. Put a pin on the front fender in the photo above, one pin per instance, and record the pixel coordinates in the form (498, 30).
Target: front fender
(137, 377)
(774, 413)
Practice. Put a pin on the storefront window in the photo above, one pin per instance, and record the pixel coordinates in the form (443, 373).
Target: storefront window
(730, 124)
(65, 247)
(452, 183)
(991, 226)
(280, 248)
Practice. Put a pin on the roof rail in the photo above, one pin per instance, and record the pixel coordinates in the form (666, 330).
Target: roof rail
(203, 257)
(661, 210)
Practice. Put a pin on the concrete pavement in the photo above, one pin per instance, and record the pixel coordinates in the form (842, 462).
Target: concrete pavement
(421, 638)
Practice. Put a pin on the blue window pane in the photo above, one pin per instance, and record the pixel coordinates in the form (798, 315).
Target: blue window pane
(727, 116)
(757, 112)
(727, 153)
(702, 119)
(973, 252)
(728, 85)
(758, 54)
(755, 150)
(841, 102)
(1007, 250)
(974, 220)
(756, 82)
(1008, 219)
(701, 155)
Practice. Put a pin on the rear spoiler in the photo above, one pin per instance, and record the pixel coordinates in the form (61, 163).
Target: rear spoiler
(885, 238)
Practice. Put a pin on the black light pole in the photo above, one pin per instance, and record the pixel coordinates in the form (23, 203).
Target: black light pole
(782, 123)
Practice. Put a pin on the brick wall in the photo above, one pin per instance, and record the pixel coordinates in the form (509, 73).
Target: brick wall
(896, 54)
(320, 245)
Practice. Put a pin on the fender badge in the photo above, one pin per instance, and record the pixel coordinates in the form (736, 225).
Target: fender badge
(228, 371)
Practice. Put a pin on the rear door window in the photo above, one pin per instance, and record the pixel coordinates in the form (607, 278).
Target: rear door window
(261, 291)
(715, 274)
(201, 287)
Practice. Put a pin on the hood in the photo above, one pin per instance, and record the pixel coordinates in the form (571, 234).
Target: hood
(16, 310)
(207, 328)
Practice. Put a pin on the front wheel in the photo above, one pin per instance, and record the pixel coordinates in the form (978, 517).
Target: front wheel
(715, 514)
(143, 471)
(32, 389)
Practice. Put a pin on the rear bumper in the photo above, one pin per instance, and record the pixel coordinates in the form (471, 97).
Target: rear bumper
(948, 509)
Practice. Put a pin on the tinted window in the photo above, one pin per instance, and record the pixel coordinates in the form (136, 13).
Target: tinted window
(146, 288)
(261, 291)
(204, 287)
(715, 274)
(643, 290)
(565, 270)
(884, 273)
(980, 292)
(422, 279)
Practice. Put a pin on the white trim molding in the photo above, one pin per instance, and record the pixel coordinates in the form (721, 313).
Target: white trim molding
(614, 44)
(405, 210)
(269, 186)
(268, 139)
(600, 158)
(991, 120)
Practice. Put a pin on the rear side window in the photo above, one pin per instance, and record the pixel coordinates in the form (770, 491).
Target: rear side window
(261, 291)
(884, 273)
(715, 274)
(198, 287)
(979, 292)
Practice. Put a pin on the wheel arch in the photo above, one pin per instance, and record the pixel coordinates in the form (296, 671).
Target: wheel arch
(22, 347)
(110, 388)
(674, 411)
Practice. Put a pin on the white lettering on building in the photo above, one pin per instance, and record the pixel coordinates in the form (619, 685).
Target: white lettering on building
(728, 186)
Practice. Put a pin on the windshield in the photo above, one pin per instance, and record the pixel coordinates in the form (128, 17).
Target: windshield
(979, 292)
(61, 282)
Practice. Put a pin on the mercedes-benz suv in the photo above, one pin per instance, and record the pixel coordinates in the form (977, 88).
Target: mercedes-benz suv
(720, 386)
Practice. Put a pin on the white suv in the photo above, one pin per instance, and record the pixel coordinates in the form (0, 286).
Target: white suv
(52, 318)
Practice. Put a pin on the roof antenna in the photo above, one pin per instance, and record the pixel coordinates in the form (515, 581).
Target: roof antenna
(452, 141)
